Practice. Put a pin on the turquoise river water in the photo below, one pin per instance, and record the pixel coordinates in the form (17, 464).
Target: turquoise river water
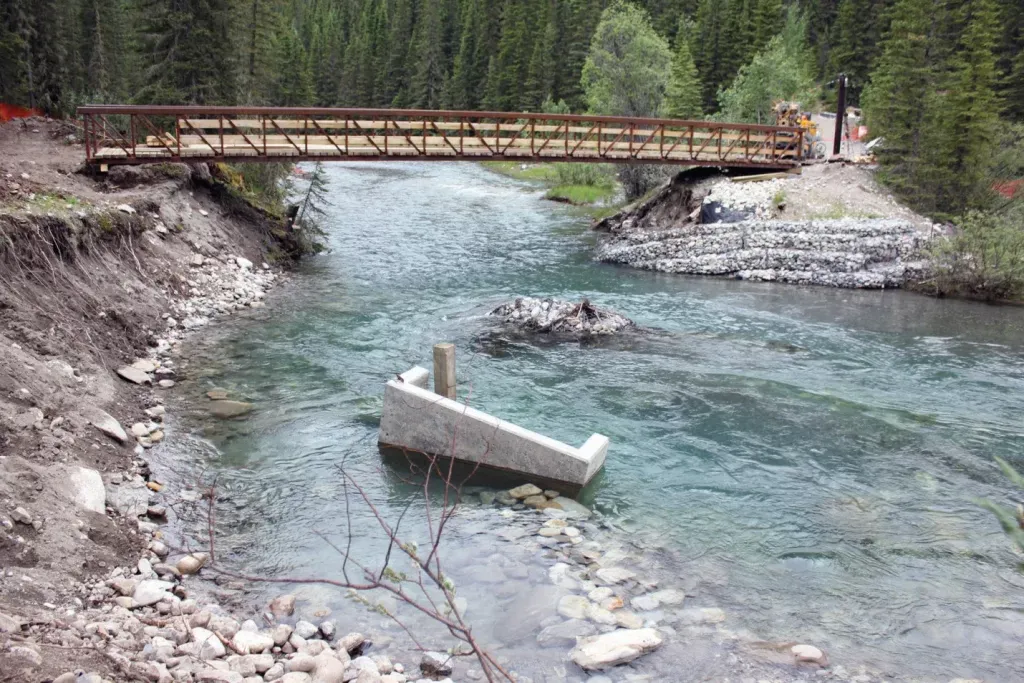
(806, 457)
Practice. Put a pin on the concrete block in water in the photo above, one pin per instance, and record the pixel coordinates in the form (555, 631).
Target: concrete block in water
(418, 420)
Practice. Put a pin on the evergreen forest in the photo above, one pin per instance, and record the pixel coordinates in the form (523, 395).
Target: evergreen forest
(941, 80)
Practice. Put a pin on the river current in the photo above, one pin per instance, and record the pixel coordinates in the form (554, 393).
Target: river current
(805, 459)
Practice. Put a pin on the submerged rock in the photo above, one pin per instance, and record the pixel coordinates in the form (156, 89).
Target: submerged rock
(229, 409)
(550, 316)
(618, 647)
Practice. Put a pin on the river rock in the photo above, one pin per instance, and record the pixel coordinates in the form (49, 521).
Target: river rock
(572, 508)
(283, 606)
(145, 365)
(25, 657)
(229, 409)
(281, 634)
(525, 491)
(301, 662)
(808, 654)
(9, 624)
(208, 644)
(329, 670)
(305, 630)
(134, 375)
(436, 664)
(573, 607)
(613, 575)
(152, 591)
(87, 489)
(565, 633)
(106, 423)
(351, 642)
(627, 619)
(550, 316)
(21, 516)
(247, 642)
(597, 653)
(191, 564)
(296, 677)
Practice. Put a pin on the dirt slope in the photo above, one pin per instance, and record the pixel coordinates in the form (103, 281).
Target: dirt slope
(90, 270)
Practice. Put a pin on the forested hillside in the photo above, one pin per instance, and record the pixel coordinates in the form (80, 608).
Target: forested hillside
(941, 80)
(491, 54)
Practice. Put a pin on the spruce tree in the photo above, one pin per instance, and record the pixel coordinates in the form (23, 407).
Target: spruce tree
(901, 82)
(512, 57)
(540, 81)
(14, 23)
(188, 52)
(429, 78)
(292, 82)
(683, 97)
(972, 114)
(767, 22)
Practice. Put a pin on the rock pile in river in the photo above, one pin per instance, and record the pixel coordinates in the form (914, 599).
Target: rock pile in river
(550, 316)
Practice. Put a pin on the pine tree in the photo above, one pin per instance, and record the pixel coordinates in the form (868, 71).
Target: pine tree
(260, 22)
(188, 53)
(972, 115)
(325, 55)
(512, 58)
(904, 103)
(395, 78)
(429, 78)
(767, 22)
(540, 81)
(1014, 89)
(683, 97)
(713, 54)
(14, 23)
(293, 77)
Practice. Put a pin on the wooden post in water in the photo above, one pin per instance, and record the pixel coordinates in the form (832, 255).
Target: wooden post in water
(444, 370)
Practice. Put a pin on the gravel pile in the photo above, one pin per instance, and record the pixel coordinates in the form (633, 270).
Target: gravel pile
(550, 316)
(857, 253)
(756, 199)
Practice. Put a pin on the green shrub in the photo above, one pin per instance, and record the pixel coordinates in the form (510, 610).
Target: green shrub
(985, 259)
(590, 175)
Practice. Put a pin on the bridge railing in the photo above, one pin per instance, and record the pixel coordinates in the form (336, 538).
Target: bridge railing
(147, 134)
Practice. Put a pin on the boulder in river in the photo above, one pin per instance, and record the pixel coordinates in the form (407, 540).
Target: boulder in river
(550, 316)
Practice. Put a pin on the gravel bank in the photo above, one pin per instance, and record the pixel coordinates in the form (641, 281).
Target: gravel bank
(831, 226)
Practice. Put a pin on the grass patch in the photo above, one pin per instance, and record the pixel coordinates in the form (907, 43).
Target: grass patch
(580, 195)
(521, 171)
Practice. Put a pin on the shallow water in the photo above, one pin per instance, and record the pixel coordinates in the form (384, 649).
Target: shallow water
(805, 457)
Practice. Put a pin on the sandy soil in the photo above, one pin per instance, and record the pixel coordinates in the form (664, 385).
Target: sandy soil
(84, 288)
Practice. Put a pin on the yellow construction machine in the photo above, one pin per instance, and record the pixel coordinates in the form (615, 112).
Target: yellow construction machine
(790, 114)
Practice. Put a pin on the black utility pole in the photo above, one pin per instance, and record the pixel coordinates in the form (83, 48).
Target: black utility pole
(840, 115)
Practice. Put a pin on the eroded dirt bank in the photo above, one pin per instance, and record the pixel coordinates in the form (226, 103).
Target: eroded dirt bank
(96, 273)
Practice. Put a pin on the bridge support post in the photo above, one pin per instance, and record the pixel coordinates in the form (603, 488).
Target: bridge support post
(444, 370)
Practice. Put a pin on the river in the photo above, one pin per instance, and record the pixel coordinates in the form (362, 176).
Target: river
(805, 459)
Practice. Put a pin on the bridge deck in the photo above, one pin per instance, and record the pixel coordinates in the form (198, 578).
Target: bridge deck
(139, 135)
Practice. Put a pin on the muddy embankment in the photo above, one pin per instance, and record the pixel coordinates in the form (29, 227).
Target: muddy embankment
(97, 273)
(831, 225)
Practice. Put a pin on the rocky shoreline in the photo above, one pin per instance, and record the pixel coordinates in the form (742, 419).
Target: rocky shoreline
(780, 230)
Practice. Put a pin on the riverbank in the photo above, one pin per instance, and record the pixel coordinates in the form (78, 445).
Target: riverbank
(590, 187)
(830, 225)
(101, 280)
